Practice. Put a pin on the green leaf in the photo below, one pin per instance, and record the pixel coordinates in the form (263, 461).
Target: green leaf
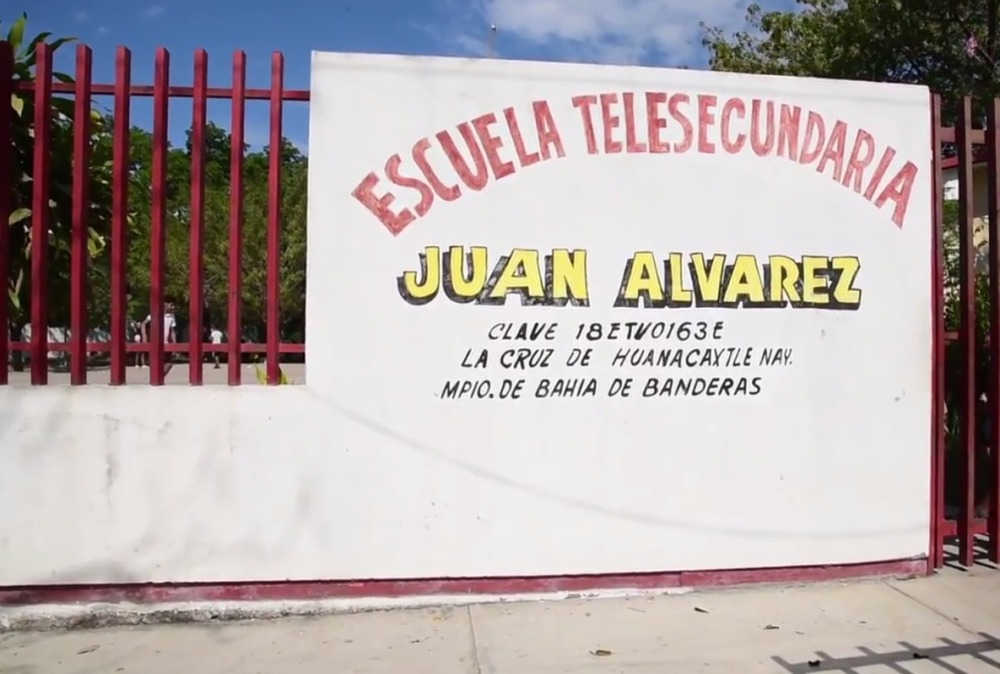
(19, 215)
(95, 242)
(16, 33)
(17, 103)
(33, 45)
(31, 57)
(63, 77)
(55, 44)
(64, 106)
(15, 290)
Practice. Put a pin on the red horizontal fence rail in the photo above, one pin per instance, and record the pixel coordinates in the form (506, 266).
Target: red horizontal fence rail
(966, 392)
(41, 91)
(251, 94)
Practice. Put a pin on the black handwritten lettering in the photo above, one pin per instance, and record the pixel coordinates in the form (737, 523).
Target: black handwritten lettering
(732, 356)
(524, 359)
(529, 332)
(620, 387)
(482, 389)
(699, 386)
(566, 388)
(682, 331)
(775, 356)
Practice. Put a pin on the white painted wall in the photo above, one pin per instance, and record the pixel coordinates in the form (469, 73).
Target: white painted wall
(366, 472)
(213, 484)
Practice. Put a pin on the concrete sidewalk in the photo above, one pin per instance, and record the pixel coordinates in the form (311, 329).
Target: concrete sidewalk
(950, 623)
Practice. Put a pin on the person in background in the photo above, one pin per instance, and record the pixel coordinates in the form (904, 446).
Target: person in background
(216, 337)
(169, 329)
(169, 325)
(135, 332)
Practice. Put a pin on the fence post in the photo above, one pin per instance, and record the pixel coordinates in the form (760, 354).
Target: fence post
(6, 197)
(993, 215)
(938, 357)
(236, 219)
(40, 216)
(967, 333)
(196, 246)
(274, 222)
(79, 253)
(158, 238)
(119, 215)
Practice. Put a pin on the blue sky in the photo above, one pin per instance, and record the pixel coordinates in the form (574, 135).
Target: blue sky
(651, 32)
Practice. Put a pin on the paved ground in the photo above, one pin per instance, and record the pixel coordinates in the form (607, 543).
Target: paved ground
(178, 374)
(950, 623)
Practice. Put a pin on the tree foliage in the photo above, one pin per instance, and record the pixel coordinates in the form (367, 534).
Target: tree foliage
(60, 162)
(949, 45)
(216, 231)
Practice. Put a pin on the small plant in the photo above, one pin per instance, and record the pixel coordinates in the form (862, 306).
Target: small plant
(262, 375)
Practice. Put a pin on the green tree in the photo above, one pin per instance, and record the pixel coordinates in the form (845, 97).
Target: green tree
(951, 46)
(216, 232)
(61, 179)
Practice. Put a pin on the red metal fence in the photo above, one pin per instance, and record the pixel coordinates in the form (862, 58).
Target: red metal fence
(83, 90)
(966, 464)
(965, 468)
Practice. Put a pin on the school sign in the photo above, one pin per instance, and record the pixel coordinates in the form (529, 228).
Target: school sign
(630, 319)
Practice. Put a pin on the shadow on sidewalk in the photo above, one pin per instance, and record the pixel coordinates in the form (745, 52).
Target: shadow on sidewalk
(896, 660)
(980, 550)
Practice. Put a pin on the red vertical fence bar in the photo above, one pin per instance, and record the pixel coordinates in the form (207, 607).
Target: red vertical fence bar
(40, 217)
(6, 198)
(158, 237)
(993, 214)
(236, 219)
(81, 206)
(196, 287)
(938, 356)
(274, 222)
(967, 334)
(119, 214)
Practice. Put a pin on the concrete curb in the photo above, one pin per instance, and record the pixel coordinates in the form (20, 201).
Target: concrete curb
(49, 617)
(53, 617)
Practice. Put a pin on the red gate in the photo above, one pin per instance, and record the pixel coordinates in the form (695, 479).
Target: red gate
(966, 466)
